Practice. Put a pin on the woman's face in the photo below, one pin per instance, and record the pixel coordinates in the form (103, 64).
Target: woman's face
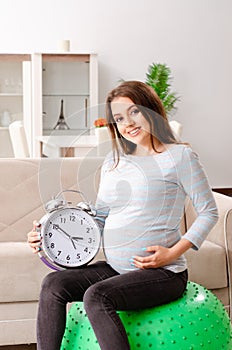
(131, 124)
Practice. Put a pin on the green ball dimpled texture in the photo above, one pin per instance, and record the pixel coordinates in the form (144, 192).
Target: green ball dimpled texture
(195, 321)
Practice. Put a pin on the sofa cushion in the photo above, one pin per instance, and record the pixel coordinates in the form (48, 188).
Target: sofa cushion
(21, 272)
(207, 266)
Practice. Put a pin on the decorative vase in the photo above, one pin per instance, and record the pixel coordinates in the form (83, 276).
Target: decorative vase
(102, 134)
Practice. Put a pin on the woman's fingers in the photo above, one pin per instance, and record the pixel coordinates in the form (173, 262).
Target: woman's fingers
(161, 256)
(34, 238)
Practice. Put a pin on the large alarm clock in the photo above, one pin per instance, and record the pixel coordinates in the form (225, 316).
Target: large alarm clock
(70, 234)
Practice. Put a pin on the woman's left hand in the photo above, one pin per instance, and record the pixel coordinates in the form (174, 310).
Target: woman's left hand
(161, 256)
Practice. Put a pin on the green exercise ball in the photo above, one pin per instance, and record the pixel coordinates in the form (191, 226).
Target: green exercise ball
(195, 321)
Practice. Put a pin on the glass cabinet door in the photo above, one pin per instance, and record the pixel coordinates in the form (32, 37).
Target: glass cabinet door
(14, 79)
(66, 83)
(69, 79)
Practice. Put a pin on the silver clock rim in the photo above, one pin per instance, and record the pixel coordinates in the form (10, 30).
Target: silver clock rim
(44, 252)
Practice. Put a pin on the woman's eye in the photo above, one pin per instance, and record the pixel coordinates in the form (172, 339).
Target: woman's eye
(134, 111)
(118, 119)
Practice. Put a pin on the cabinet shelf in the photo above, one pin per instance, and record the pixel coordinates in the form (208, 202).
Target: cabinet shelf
(65, 94)
(72, 132)
(10, 94)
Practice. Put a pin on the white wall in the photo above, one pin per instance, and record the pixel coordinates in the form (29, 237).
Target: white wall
(192, 36)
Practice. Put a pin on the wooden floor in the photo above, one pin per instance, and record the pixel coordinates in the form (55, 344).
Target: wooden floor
(19, 347)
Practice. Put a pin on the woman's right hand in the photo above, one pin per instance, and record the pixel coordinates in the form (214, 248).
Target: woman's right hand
(34, 238)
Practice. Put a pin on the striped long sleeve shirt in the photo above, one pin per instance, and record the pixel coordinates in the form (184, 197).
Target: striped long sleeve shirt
(143, 200)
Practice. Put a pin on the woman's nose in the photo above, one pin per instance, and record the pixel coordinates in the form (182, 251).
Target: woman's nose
(129, 121)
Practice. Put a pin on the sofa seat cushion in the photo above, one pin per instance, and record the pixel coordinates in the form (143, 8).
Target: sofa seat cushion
(21, 272)
(209, 261)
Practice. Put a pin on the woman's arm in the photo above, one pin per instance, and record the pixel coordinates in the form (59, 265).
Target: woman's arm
(193, 180)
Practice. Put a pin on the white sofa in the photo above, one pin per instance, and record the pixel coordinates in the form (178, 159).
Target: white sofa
(25, 186)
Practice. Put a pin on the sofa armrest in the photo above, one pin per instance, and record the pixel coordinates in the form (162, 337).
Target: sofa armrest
(221, 234)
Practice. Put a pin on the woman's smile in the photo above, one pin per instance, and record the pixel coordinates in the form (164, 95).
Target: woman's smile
(134, 132)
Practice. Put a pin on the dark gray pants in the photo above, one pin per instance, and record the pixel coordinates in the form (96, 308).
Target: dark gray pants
(103, 291)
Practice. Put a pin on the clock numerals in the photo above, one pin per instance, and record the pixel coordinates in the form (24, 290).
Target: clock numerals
(52, 245)
(72, 218)
(86, 250)
(78, 256)
(62, 220)
(50, 234)
(90, 240)
(59, 252)
(68, 257)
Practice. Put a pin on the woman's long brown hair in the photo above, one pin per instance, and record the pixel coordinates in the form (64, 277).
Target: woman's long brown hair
(150, 105)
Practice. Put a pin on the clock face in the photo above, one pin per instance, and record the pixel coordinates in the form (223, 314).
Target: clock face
(71, 237)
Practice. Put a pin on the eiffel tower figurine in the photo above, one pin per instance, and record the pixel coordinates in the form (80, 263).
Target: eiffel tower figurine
(61, 123)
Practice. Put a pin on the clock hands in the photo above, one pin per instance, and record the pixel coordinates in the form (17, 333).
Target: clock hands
(71, 238)
(58, 228)
(73, 244)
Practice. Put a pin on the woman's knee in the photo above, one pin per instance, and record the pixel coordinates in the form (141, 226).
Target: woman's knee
(90, 296)
(53, 285)
(49, 283)
(97, 294)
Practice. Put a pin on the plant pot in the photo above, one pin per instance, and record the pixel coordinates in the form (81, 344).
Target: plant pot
(102, 134)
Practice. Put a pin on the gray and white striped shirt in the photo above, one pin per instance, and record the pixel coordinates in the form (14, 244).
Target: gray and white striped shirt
(143, 199)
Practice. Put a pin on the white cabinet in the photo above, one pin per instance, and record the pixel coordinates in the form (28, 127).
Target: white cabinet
(15, 99)
(32, 87)
(72, 78)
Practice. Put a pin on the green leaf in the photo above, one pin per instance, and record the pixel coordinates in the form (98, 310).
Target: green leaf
(159, 78)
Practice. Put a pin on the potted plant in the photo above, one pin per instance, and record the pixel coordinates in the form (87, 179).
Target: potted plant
(159, 78)
(101, 130)
(100, 123)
